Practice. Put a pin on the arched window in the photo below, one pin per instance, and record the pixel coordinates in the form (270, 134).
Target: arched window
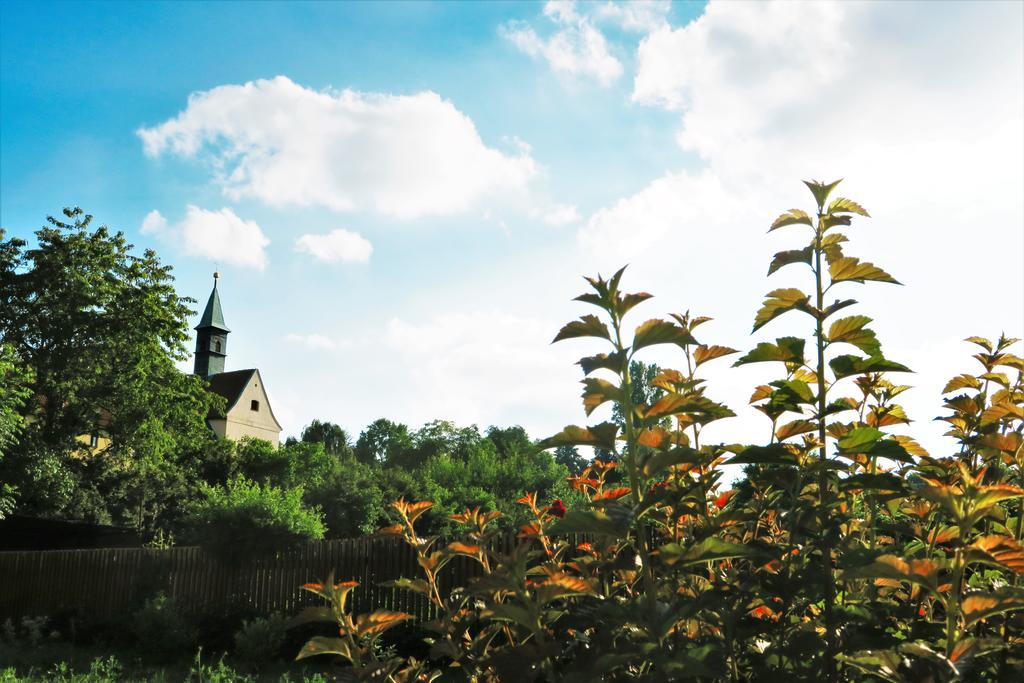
(216, 345)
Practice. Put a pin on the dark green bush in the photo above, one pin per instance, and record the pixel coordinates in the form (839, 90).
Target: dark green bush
(160, 630)
(243, 518)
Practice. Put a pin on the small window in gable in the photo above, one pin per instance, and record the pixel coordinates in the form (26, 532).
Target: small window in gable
(94, 441)
(254, 405)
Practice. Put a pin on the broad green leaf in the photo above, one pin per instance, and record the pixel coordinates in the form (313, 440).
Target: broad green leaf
(608, 361)
(602, 436)
(597, 391)
(700, 407)
(859, 440)
(821, 190)
(852, 269)
(780, 301)
(884, 664)
(785, 258)
(962, 382)
(589, 522)
(851, 330)
(656, 331)
(785, 350)
(706, 551)
(836, 305)
(791, 217)
(512, 613)
(844, 205)
(626, 302)
(848, 366)
(775, 454)
(586, 326)
(662, 460)
(702, 354)
(982, 342)
(800, 391)
(321, 645)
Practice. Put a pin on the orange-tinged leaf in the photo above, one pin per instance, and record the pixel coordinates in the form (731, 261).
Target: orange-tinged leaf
(1001, 410)
(703, 354)
(379, 621)
(657, 331)
(612, 494)
(560, 586)
(655, 437)
(794, 428)
(996, 549)
(467, 549)
(1008, 443)
(319, 645)
(586, 326)
(982, 605)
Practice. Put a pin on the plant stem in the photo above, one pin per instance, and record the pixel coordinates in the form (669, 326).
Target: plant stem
(826, 546)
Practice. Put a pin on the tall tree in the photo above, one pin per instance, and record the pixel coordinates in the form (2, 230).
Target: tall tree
(334, 439)
(101, 328)
(383, 441)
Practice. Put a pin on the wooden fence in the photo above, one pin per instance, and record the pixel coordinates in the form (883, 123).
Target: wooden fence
(113, 581)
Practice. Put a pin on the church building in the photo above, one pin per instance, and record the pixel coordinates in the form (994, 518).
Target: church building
(248, 411)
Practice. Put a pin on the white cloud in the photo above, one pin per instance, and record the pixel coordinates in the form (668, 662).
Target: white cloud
(642, 16)
(561, 214)
(337, 246)
(153, 224)
(313, 341)
(482, 366)
(223, 236)
(286, 145)
(575, 49)
(919, 106)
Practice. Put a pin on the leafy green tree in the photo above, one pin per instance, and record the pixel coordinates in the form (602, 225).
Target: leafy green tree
(244, 518)
(383, 441)
(334, 439)
(15, 389)
(570, 458)
(509, 440)
(101, 329)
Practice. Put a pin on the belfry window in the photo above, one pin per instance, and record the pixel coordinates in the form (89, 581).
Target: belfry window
(216, 345)
(254, 405)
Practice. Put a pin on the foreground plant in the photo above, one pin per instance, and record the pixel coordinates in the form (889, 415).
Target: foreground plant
(846, 553)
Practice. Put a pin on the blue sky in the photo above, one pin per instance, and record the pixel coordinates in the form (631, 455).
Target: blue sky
(401, 197)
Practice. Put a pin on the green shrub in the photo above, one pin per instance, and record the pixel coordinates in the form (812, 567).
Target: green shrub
(160, 630)
(243, 518)
(259, 641)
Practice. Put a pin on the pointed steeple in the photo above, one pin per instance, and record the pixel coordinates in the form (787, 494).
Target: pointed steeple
(211, 337)
(213, 315)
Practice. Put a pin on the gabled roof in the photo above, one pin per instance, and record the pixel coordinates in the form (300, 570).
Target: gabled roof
(230, 385)
(213, 315)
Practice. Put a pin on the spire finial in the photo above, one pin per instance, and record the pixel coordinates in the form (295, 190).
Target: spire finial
(216, 276)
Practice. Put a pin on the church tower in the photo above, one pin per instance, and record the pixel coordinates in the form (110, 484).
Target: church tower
(211, 337)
